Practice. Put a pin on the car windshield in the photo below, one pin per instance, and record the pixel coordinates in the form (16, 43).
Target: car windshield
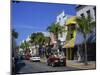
(57, 53)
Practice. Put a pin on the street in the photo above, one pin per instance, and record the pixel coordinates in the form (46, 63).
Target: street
(38, 67)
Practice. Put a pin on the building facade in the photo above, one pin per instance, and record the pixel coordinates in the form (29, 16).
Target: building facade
(71, 37)
(61, 19)
(75, 40)
(84, 10)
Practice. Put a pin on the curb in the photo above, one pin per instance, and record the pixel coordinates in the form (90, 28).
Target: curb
(43, 60)
(81, 65)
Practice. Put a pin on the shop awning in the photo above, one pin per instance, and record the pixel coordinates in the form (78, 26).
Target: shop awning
(79, 38)
(90, 38)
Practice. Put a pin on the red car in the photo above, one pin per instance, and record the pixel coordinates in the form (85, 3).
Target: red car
(56, 59)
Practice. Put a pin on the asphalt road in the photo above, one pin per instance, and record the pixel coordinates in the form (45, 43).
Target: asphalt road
(38, 67)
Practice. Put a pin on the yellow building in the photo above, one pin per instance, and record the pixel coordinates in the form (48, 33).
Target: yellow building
(71, 36)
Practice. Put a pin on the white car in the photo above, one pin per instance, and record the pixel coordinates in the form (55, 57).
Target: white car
(35, 58)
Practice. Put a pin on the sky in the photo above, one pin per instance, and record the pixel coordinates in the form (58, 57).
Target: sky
(29, 17)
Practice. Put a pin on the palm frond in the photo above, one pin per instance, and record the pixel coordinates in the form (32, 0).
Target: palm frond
(85, 24)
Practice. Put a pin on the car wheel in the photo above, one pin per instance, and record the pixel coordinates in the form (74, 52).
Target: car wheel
(53, 65)
(48, 63)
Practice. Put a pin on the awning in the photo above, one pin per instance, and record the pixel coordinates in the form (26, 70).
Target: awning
(90, 38)
(79, 38)
(70, 44)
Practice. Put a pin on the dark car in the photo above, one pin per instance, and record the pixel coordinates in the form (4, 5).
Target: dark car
(56, 59)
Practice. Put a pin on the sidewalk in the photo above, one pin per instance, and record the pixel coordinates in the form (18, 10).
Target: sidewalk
(43, 60)
(75, 64)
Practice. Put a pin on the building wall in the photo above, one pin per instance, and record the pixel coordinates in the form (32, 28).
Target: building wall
(52, 38)
(33, 50)
(70, 36)
(61, 19)
(84, 11)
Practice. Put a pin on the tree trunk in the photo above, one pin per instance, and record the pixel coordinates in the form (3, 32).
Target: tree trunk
(78, 53)
(56, 40)
(85, 59)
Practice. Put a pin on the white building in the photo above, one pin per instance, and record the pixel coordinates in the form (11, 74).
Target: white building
(61, 19)
(84, 10)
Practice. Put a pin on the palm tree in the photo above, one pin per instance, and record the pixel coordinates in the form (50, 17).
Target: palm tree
(14, 34)
(85, 25)
(56, 29)
(37, 38)
(24, 45)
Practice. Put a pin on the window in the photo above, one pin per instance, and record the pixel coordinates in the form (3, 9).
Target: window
(71, 35)
(88, 13)
(82, 15)
(59, 19)
(64, 16)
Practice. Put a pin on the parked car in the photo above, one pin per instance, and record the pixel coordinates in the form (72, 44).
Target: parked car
(56, 59)
(35, 58)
